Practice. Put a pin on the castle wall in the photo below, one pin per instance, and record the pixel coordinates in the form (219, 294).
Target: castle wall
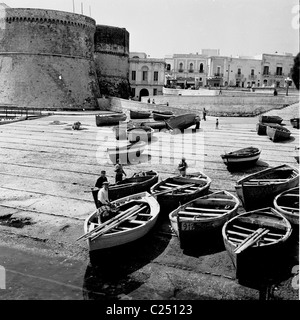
(46, 59)
(112, 60)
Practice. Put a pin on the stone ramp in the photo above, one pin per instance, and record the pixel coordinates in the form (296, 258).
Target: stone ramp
(286, 113)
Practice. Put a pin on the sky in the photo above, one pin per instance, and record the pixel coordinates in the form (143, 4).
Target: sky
(165, 27)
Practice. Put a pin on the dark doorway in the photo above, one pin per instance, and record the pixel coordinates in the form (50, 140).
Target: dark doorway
(144, 93)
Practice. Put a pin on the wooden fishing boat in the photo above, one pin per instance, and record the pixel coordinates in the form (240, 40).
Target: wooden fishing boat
(126, 153)
(278, 133)
(259, 189)
(270, 119)
(139, 114)
(159, 116)
(180, 190)
(261, 128)
(255, 242)
(136, 216)
(140, 133)
(110, 119)
(287, 203)
(139, 182)
(156, 125)
(295, 123)
(242, 157)
(203, 215)
(182, 122)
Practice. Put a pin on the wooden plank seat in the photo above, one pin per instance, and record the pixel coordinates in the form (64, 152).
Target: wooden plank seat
(290, 208)
(137, 221)
(173, 184)
(253, 230)
(207, 210)
(197, 214)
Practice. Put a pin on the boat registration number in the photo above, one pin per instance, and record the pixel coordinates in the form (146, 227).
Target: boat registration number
(186, 226)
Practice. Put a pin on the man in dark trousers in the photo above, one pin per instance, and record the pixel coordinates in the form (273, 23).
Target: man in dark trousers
(101, 179)
(119, 171)
(182, 167)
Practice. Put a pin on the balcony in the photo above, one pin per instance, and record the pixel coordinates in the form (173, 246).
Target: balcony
(266, 74)
(278, 74)
(252, 77)
(239, 75)
(180, 70)
(191, 71)
(218, 75)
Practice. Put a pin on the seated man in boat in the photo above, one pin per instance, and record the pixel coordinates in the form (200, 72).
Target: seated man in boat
(106, 210)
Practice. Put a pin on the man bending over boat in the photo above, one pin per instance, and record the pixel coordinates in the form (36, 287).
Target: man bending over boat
(106, 211)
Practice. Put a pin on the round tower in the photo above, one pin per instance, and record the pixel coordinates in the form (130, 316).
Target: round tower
(112, 60)
(46, 59)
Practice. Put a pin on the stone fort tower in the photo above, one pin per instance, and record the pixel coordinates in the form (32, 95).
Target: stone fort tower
(47, 59)
(112, 60)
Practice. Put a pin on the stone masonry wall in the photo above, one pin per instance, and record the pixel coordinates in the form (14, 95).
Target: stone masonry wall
(46, 59)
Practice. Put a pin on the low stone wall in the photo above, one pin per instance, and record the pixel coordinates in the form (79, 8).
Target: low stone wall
(218, 106)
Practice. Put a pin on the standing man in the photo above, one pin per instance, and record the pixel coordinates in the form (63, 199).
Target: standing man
(105, 211)
(101, 180)
(182, 167)
(204, 114)
(119, 171)
(217, 124)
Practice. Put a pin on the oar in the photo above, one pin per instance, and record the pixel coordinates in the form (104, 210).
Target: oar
(251, 240)
(106, 223)
(130, 214)
(171, 190)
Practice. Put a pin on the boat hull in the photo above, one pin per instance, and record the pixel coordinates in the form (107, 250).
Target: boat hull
(232, 160)
(284, 200)
(160, 117)
(155, 125)
(127, 154)
(110, 240)
(170, 202)
(270, 119)
(261, 128)
(258, 262)
(182, 122)
(110, 120)
(139, 114)
(258, 195)
(141, 133)
(278, 134)
(295, 123)
(190, 229)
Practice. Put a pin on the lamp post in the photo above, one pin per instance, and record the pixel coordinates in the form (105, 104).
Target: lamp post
(288, 82)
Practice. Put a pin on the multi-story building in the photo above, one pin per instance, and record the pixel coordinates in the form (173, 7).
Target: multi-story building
(188, 70)
(242, 72)
(214, 70)
(146, 76)
(276, 68)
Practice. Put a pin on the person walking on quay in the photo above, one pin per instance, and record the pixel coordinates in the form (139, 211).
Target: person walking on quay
(153, 102)
(220, 92)
(149, 101)
(119, 171)
(101, 180)
(217, 124)
(182, 167)
(204, 114)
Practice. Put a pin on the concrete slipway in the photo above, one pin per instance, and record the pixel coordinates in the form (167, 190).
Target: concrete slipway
(46, 169)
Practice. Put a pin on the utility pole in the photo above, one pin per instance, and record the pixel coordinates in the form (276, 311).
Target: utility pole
(73, 6)
(90, 12)
(81, 8)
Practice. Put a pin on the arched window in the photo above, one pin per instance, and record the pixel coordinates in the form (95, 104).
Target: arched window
(180, 67)
(191, 68)
(201, 68)
(168, 67)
